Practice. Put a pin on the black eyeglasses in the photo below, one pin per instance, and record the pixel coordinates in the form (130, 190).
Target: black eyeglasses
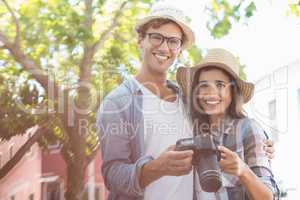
(156, 39)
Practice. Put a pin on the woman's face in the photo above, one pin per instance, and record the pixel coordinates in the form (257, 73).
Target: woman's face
(214, 92)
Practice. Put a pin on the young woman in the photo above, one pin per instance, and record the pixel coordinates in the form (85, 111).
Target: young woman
(214, 97)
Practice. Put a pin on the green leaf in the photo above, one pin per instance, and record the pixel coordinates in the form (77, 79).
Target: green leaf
(221, 28)
(249, 10)
(195, 55)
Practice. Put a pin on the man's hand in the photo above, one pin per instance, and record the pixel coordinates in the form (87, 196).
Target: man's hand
(169, 163)
(174, 163)
(269, 148)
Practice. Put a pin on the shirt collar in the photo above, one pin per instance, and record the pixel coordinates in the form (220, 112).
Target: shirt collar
(134, 86)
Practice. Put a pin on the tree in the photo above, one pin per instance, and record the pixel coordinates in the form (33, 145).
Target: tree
(294, 8)
(224, 13)
(56, 56)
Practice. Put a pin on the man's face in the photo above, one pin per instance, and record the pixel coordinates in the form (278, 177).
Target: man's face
(158, 58)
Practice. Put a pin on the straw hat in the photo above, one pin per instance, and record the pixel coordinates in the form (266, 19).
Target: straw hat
(166, 11)
(219, 58)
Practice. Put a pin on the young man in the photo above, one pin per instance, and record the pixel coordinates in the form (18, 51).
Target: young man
(140, 121)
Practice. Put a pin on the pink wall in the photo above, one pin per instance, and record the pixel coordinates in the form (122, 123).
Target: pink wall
(24, 178)
(53, 164)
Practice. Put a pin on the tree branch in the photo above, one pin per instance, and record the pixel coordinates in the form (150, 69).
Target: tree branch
(28, 64)
(16, 22)
(40, 130)
(89, 51)
(88, 54)
(113, 25)
(31, 67)
(4, 40)
(88, 22)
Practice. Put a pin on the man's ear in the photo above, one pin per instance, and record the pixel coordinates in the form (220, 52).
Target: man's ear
(140, 39)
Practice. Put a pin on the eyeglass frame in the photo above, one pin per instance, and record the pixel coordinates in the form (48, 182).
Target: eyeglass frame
(164, 38)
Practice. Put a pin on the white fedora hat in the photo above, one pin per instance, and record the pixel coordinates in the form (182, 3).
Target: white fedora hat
(166, 11)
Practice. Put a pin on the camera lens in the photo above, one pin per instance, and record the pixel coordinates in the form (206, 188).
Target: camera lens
(210, 180)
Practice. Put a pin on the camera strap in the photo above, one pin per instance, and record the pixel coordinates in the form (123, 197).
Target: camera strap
(194, 184)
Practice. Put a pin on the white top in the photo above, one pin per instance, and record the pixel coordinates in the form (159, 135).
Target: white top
(165, 123)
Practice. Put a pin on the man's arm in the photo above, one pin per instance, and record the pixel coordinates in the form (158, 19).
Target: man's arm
(120, 173)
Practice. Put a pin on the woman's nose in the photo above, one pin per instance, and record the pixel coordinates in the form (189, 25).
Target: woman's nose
(212, 90)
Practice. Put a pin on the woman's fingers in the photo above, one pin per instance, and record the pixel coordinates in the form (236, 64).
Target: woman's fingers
(226, 153)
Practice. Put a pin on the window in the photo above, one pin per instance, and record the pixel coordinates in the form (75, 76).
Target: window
(272, 109)
(273, 120)
(54, 145)
(31, 197)
(53, 191)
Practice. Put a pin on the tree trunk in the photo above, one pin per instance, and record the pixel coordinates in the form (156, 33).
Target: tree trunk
(75, 180)
(75, 158)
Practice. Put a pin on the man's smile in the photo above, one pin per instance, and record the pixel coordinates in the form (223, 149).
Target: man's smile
(160, 57)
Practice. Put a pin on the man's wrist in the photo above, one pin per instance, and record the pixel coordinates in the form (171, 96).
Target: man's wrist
(151, 171)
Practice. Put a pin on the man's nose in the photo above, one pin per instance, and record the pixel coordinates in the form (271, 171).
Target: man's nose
(164, 46)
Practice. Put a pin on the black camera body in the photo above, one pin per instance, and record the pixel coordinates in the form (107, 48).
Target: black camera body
(205, 160)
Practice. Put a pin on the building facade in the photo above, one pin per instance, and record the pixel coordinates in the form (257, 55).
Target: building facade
(276, 106)
(41, 174)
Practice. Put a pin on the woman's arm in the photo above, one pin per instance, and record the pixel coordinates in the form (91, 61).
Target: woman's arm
(231, 163)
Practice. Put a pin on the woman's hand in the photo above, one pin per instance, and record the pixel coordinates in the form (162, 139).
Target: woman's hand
(231, 163)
